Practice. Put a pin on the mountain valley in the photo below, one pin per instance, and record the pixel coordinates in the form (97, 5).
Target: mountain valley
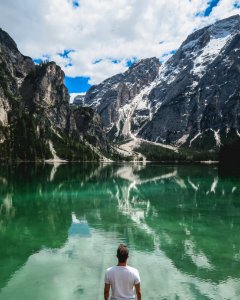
(184, 109)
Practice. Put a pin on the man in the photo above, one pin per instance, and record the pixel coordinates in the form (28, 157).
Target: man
(123, 280)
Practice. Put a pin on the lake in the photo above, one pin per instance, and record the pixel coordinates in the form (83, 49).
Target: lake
(60, 226)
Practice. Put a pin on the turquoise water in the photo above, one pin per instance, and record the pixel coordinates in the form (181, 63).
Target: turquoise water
(60, 226)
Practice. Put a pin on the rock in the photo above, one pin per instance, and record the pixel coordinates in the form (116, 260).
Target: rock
(79, 100)
(36, 120)
(198, 90)
(191, 100)
(115, 98)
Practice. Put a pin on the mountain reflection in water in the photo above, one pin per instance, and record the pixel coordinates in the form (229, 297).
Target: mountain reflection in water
(181, 224)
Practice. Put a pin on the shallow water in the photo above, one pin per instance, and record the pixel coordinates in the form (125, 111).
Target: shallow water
(60, 226)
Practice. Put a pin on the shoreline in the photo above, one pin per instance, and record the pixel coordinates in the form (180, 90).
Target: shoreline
(62, 161)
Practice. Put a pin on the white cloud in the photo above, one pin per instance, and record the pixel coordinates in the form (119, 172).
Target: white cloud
(103, 29)
(73, 95)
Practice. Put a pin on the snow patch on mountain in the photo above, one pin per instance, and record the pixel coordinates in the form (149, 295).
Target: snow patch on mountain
(182, 140)
(55, 158)
(182, 101)
(194, 138)
(209, 53)
(139, 102)
(217, 137)
(159, 144)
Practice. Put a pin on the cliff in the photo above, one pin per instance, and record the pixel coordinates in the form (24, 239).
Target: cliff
(190, 101)
(36, 120)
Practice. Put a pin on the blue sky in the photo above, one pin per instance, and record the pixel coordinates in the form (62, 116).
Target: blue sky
(77, 84)
(81, 84)
(211, 5)
(75, 3)
(92, 40)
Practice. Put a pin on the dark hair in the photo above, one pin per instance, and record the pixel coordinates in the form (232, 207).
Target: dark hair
(122, 253)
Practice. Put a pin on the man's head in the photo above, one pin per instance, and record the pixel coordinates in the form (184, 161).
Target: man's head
(122, 253)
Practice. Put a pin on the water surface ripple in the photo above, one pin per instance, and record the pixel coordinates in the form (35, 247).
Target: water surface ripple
(60, 226)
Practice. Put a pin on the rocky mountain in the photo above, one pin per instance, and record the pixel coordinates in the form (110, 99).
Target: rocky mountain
(36, 119)
(117, 99)
(79, 100)
(191, 100)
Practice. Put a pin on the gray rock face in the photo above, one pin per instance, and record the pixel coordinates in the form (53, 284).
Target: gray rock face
(90, 126)
(13, 69)
(79, 100)
(198, 91)
(192, 99)
(43, 92)
(114, 99)
(36, 120)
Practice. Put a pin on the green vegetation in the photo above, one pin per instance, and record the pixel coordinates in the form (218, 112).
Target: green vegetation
(26, 139)
(116, 156)
(29, 132)
(158, 153)
(4, 150)
(112, 132)
(205, 141)
(72, 149)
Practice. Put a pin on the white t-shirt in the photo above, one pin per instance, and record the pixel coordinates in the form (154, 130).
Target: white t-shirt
(122, 281)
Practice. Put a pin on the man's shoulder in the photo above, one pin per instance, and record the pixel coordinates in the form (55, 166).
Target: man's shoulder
(132, 269)
(116, 268)
(135, 274)
(111, 269)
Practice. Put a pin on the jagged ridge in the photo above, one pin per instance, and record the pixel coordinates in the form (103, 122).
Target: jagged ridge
(115, 99)
(191, 100)
(36, 120)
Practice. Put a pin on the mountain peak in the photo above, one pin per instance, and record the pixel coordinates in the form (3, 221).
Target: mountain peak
(144, 61)
(114, 97)
(218, 30)
(196, 87)
(232, 19)
(203, 46)
(190, 98)
(225, 27)
(7, 41)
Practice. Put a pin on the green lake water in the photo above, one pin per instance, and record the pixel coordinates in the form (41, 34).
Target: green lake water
(60, 226)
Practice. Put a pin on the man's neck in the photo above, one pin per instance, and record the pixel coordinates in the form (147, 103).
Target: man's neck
(122, 264)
